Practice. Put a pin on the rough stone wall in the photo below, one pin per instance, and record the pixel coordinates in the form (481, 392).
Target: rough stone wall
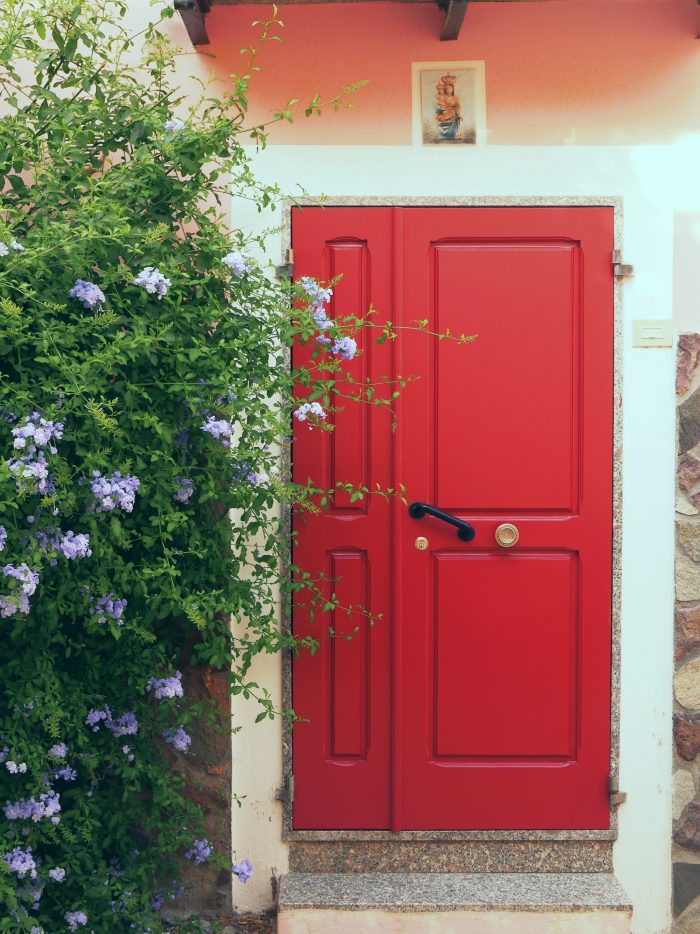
(686, 719)
(207, 772)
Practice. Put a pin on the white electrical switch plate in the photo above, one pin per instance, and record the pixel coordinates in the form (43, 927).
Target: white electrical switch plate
(649, 333)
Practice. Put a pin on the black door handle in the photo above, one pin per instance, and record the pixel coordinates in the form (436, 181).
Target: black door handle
(465, 531)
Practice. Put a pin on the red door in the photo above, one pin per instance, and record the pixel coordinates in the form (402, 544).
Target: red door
(482, 698)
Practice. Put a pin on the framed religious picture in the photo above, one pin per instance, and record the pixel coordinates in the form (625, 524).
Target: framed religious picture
(449, 103)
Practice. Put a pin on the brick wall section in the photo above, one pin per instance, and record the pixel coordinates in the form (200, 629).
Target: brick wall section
(207, 770)
(686, 719)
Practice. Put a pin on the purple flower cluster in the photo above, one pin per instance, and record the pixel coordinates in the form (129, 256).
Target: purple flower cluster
(345, 348)
(4, 250)
(95, 717)
(31, 471)
(3, 537)
(126, 725)
(74, 546)
(174, 125)
(58, 751)
(66, 773)
(88, 293)
(27, 578)
(108, 605)
(114, 492)
(153, 281)
(166, 687)
(244, 870)
(22, 862)
(14, 767)
(18, 602)
(57, 874)
(318, 295)
(185, 489)
(177, 737)
(75, 919)
(35, 809)
(220, 429)
(303, 412)
(237, 262)
(36, 432)
(31, 474)
(243, 472)
(200, 852)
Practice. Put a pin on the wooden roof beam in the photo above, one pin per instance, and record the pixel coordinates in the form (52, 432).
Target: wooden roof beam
(455, 11)
(192, 13)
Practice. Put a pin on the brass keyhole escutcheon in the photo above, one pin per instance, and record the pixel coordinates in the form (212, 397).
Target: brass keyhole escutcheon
(507, 535)
(421, 543)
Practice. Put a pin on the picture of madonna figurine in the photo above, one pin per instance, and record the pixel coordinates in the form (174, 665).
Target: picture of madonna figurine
(448, 105)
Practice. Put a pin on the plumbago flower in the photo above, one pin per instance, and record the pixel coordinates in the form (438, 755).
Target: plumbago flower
(14, 767)
(66, 773)
(3, 537)
(35, 809)
(345, 348)
(58, 751)
(244, 870)
(166, 687)
(88, 293)
(185, 489)
(177, 737)
(200, 852)
(57, 874)
(71, 545)
(220, 429)
(238, 263)
(153, 281)
(18, 602)
(22, 862)
(115, 492)
(315, 409)
(31, 471)
(174, 125)
(75, 919)
(108, 605)
(35, 431)
(125, 725)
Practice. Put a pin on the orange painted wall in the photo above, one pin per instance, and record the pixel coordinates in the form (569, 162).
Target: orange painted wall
(557, 71)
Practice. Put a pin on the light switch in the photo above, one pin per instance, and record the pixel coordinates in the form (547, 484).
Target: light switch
(648, 333)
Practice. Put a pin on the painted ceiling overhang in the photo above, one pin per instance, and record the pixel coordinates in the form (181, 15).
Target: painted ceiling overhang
(193, 13)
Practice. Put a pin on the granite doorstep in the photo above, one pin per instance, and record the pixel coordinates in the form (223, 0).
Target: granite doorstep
(450, 891)
(447, 856)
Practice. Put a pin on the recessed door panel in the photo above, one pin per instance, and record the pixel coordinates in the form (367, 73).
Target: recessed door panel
(504, 651)
(517, 387)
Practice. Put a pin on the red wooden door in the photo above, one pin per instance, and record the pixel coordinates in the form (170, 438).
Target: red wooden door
(482, 700)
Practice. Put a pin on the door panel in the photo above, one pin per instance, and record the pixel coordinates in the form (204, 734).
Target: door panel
(505, 627)
(343, 749)
(482, 698)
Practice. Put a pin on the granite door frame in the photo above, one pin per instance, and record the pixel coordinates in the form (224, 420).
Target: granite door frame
(615, 203)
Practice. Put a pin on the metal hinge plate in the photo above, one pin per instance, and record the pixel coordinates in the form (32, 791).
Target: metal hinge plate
(286, 270)
(621, 270)
(286, 792)
(617, 797)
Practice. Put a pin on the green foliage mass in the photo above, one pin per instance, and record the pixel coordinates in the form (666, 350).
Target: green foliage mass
(94, 187)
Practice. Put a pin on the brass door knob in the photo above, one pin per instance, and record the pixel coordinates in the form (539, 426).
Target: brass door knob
(507, 535)
(421, 543)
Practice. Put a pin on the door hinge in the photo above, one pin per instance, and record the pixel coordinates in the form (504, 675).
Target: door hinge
(286, 792)
(621, 270)
(286, 270)
(617, 797)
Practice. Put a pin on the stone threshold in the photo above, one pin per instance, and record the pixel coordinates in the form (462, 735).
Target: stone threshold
(429, 892)
(345, 856)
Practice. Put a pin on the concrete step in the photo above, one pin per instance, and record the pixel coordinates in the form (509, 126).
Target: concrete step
(452, 903)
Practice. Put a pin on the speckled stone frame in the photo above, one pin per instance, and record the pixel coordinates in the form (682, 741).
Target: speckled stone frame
(533, 837)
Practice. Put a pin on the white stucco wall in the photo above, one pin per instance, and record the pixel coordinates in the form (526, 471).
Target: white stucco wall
(653, 181)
